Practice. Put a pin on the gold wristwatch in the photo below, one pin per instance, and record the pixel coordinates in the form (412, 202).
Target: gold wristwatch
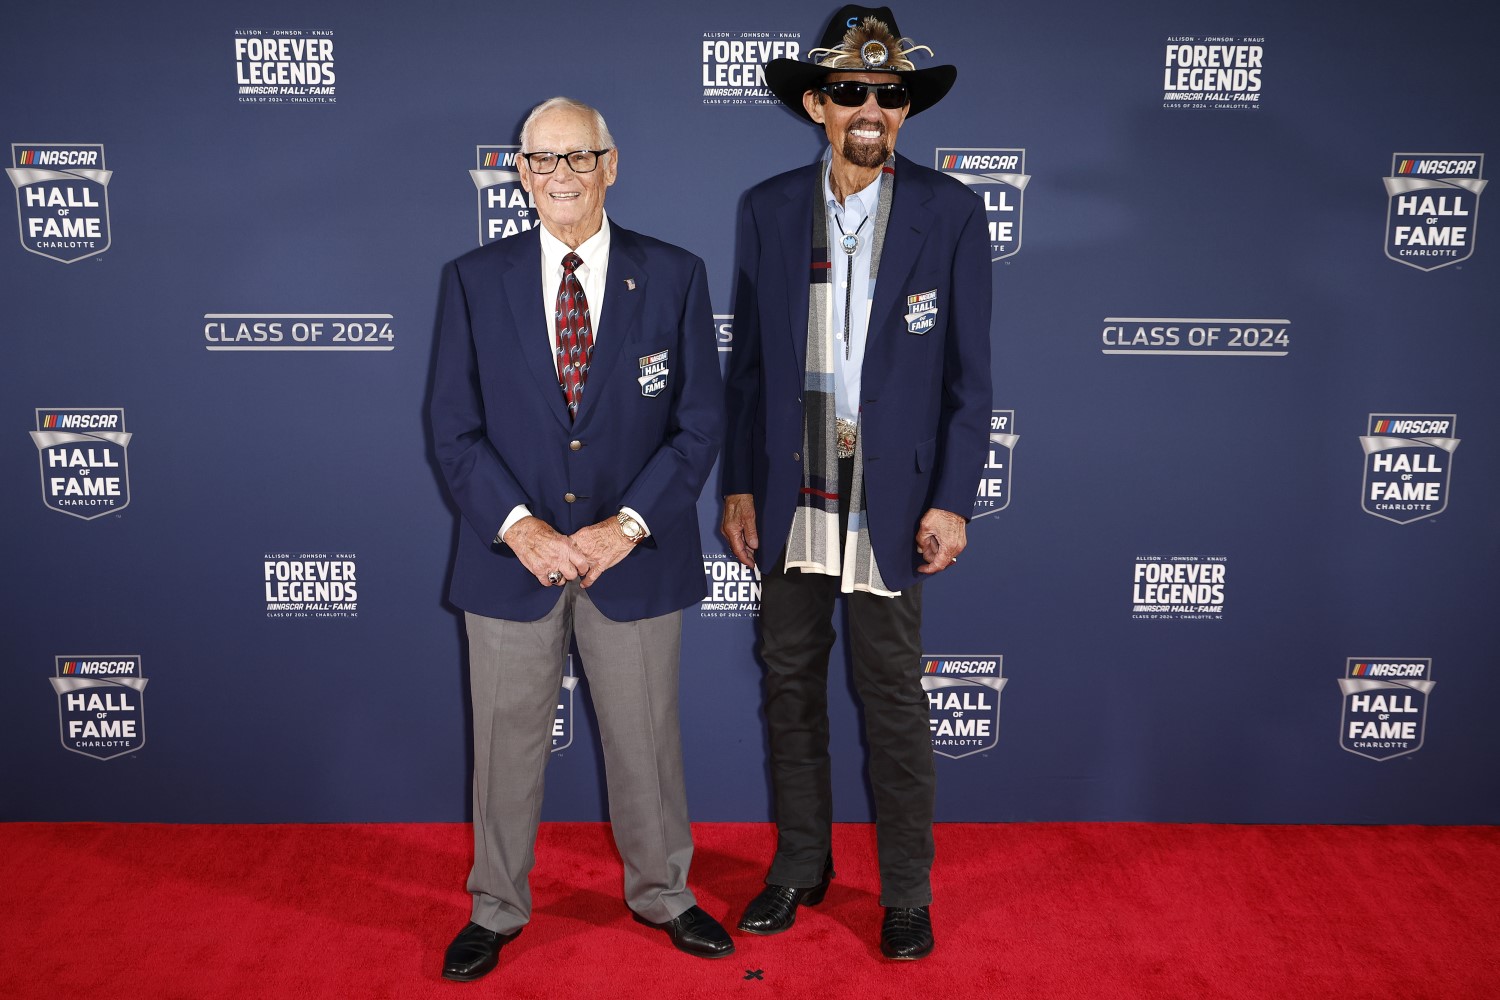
(633, 530)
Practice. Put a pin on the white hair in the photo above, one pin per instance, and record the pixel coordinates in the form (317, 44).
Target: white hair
(602, 138)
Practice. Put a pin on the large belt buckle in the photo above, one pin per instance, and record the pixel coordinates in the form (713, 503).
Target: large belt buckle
(846, 431)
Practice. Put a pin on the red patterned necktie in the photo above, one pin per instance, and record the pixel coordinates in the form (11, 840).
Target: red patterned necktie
(575, 334)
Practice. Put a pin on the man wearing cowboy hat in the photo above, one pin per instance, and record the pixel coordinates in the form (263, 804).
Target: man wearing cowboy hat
(858, 407)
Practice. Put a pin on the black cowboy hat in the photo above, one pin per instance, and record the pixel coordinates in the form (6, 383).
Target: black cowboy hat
(789, 79)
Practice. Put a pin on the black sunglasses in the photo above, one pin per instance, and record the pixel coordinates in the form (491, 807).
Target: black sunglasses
(851, 93)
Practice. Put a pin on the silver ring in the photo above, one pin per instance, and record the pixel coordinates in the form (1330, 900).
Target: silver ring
(555, 577)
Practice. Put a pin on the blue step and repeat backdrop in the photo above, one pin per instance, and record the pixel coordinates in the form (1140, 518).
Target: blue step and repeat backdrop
(1233, 559)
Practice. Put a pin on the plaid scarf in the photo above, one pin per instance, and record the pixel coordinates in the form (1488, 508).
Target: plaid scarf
(814, 545)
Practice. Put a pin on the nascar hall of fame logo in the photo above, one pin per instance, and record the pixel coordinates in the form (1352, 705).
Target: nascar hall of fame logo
(299, 332)
(1408, 458)
(999, 177)
(311, 585)
(734, 65)
(1385, 705)
(963, 702)
(562, 721)
(82, 453)
(1433, 208)
(100, 708)
(62, 198)
(1200, 337)
(1178, 588)
(504, 206)
(733, 589)
(724, 332)
(284, 66)
(994, 485)
(654, 373)
(1213, 72)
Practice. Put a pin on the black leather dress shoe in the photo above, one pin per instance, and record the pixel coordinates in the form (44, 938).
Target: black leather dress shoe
(695, 932)
(775, 909)
(906, 933)
(474, 953)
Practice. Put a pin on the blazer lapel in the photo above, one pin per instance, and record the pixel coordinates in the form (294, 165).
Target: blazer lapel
(621, 320)
(905, 233)
(794, 226)
(523, 291)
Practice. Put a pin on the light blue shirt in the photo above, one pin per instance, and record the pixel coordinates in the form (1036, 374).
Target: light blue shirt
(858, 207)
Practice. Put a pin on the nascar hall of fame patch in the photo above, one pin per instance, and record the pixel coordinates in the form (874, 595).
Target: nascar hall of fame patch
(504, 206)
(299, 332)
(1408, 459)
(1385, 705)
(733, 589)
(1194, 337)
(1178, 588)
(100, 704)
(734, 65)
(921, 311)
(284, 66)
(963, 702)
(724, 332)
(83, 457)
(994, 484)
(1213, 72)
(1432, 208)
(311, 584)
(62, 198)
(654, 373)
(999, 177)
(562, 722)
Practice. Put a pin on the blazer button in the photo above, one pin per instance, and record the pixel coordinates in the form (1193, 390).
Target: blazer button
(569, 497)
(575, 445)
(796, 456)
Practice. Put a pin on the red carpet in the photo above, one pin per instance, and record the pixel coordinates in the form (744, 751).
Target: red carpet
(1036, 911)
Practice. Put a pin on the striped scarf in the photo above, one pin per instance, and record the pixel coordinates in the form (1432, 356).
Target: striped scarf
(814, 545)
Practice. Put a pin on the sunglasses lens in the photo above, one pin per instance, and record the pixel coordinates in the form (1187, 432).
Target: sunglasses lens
(846, 93)
(851, 94)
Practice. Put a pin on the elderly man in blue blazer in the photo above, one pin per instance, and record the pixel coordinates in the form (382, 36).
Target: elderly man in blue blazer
(858, 408)
(576, 411)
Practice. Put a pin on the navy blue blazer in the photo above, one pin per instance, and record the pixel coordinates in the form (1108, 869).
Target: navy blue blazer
(926, 386)
(648, 430)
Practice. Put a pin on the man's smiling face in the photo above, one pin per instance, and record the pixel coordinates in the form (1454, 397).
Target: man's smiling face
(571, 204)
(865, 136)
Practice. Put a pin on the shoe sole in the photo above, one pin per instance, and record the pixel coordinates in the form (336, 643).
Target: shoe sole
(453, 977)
(760, 933)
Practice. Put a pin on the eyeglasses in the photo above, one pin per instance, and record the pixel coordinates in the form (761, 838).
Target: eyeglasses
(580, 161)
(851, 93)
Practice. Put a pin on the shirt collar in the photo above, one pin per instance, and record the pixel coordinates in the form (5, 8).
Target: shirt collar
(594, 250)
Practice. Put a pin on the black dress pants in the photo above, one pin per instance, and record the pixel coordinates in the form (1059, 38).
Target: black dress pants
(884, 638)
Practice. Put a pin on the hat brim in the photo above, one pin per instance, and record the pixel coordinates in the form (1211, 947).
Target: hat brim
(789, 79)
